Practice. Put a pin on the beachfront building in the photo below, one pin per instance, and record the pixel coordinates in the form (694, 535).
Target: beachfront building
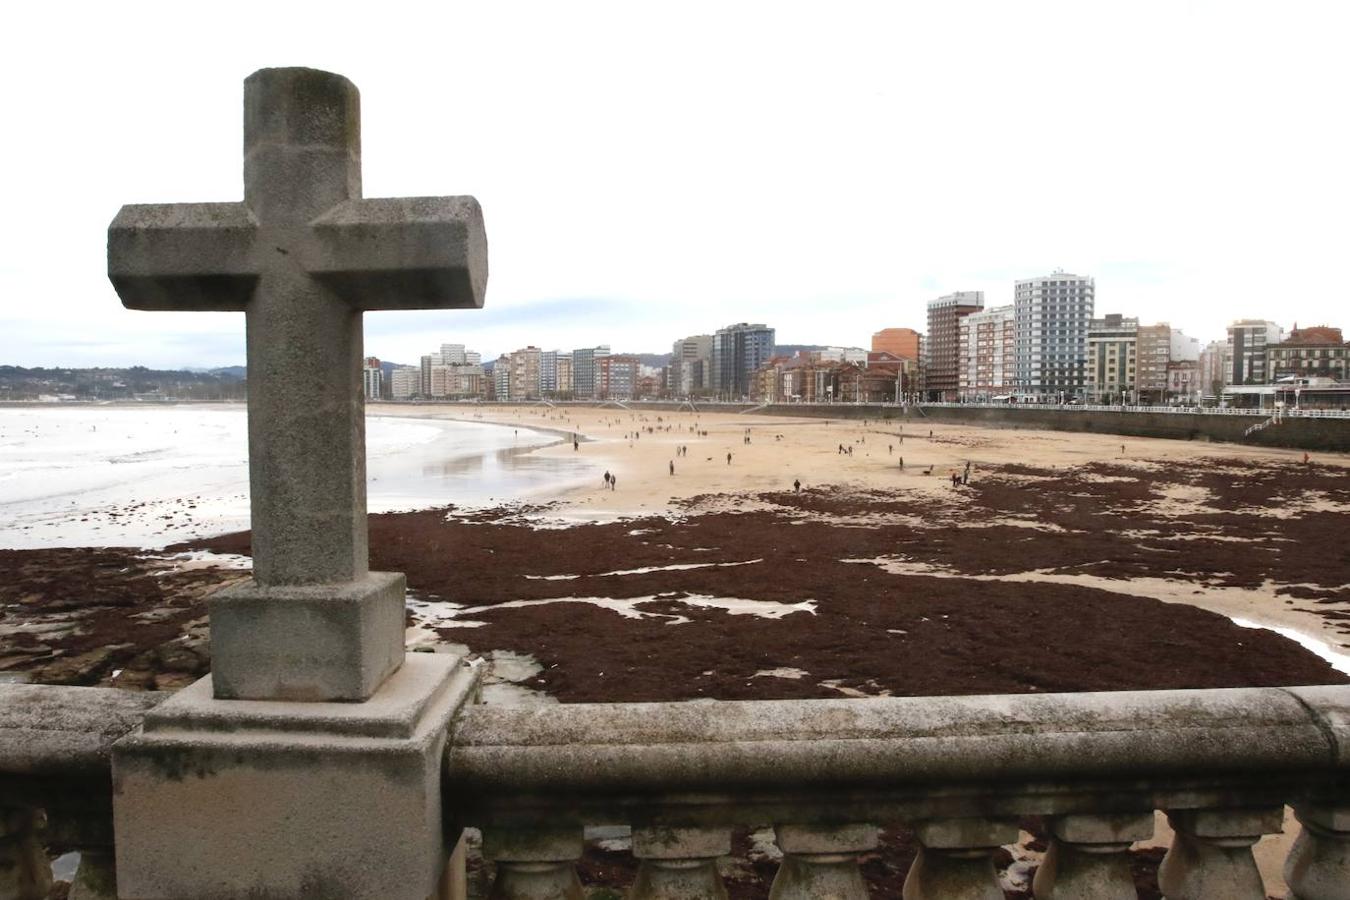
(1052, 314)
(986, 354)
(1183, 382)
(617, 376)
(942, 378)
(405, 382)
(501, 378)
(460, 381)
(372, 379)
(651, 382)
(1244, 355)
(564, 389)
(902, 342)
(1153, 351)
(1210, 371)
(897, 372)
(737, 351)
(524, 384)
(1316, 352)
(548, 373)
(690, 365)
(436, 385)
(585, 375)
(1112, 359)
(766, 382)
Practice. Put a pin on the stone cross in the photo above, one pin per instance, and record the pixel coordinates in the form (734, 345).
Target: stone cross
(302, 257)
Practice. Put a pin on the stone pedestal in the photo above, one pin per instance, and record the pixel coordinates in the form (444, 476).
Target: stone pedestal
(318, 642)
(254, 798)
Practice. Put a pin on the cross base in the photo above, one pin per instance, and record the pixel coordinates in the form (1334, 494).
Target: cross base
(320, 642)
(244, 798)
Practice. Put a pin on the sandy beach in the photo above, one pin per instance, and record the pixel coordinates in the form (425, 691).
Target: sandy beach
(640, 446)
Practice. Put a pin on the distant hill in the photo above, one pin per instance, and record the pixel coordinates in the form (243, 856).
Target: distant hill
(655, 360)
(134, 383)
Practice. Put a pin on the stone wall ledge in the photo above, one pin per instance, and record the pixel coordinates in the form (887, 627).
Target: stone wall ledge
(883, 758)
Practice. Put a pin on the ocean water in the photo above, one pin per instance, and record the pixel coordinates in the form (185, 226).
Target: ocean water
(150, 476)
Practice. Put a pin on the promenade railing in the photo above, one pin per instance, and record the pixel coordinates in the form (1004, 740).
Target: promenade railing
(826, 774)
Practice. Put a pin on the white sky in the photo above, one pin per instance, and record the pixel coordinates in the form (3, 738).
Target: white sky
(651, 170)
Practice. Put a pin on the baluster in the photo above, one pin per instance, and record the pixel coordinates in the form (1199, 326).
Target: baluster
(1087, 858)
(956, 859)
(821, 862)
(679, 863)
(25, 871)
(1318, 867)
(534, 863)
(1211, 853)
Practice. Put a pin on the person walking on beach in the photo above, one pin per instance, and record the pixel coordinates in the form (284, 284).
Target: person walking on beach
(607, 478)
(902, 464)
(672, 467)
(797, 486)
(728, 459)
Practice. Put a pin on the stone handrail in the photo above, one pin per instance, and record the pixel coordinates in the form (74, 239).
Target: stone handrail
(961, 770)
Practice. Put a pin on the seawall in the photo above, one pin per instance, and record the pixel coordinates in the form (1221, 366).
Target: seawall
(1295, 432)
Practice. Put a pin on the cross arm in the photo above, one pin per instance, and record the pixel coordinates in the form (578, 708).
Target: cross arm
(184, 256)
(405, 253)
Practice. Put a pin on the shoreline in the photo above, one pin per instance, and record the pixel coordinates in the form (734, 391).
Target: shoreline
(1234, 531)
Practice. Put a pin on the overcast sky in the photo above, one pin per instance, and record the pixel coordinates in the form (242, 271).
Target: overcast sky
(651, 170)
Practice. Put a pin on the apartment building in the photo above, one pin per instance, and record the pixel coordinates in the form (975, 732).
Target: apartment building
(1153, 351)
(405, 382)
(1112, 344)
(372, 379)
(1244, 355)
(617, 377)
(987, 354)
(585, 374)
(1052, 314)
(737, 351)
(1317, 352)
(690, 365)
(942, 377)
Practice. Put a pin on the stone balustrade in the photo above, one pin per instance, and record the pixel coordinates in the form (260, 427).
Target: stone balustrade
(960, 771)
